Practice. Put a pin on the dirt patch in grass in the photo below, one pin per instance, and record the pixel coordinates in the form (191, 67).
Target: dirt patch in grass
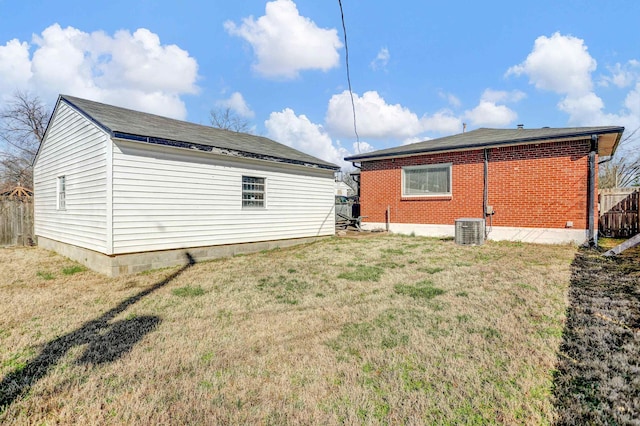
(388, 329)
(598, 377)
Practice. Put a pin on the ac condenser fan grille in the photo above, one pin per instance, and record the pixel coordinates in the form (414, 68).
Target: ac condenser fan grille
(470, 231)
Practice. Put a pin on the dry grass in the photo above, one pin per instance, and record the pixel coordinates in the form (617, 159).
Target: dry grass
(386, 329)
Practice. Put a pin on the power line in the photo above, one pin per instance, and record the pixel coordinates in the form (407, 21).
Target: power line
(346, 51)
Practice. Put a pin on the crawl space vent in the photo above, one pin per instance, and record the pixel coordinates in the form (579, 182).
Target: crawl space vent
(470, 231)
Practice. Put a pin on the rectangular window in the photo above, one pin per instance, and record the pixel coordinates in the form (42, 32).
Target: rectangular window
(253, 191)
(426, 181)
(62, 192)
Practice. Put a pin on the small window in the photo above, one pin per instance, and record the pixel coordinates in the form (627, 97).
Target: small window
(62, 192)
(253, 191)
(428, 180)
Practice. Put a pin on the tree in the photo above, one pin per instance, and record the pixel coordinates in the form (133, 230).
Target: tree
(349, 180)
(622, 171)
(619, 173)
(23, 121)
(228, 119)
(344, 176)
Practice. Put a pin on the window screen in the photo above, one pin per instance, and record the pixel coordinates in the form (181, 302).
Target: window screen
(253, 191)
(62, 192)
(427, 180)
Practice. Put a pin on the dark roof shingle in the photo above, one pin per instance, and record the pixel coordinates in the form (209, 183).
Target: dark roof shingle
(483, 138)
(128, 123)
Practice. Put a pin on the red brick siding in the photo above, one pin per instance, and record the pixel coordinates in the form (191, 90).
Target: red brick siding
(541, 186)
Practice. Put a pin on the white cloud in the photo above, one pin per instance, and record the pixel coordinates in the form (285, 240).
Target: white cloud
(496, 96)
(443, 122)
(583, 109)
(490, 114)
(589, 110)
(452, 99)
(286, 43)
(622, 75)
(131, 70)
(415, 139)
(237, 104)
(563, 65)
(142, 62)
(632, 101)
(558, 63)
(381, 60)
(362, 147)
(374, 117)
(298, 132)
(15, 66)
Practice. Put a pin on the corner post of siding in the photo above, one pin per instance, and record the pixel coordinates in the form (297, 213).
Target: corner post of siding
(109, 206)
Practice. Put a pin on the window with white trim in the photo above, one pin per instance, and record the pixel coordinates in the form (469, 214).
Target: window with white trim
(62, 192)
(426, 181)
(253, 192)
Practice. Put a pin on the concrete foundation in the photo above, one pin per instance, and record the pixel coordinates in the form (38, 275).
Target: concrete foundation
(497, 233)
(133, 263)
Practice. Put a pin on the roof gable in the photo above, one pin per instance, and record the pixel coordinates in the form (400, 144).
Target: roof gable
(489, 138)
(143, 127)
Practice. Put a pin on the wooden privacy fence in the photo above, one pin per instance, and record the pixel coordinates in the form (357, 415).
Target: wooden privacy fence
(16, 221)
(619, 215)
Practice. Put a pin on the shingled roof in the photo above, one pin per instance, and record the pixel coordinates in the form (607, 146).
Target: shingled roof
(609, 137)
(122, 123)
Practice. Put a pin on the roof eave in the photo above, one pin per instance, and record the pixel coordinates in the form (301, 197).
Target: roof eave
(220, 151)
(607, 150)
(182, 144)
(492, 144)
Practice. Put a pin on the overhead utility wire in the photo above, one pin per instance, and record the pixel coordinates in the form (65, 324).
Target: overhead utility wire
(346, 51)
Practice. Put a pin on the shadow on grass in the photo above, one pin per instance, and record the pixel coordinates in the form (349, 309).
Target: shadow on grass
(106, 343)
(597, 380)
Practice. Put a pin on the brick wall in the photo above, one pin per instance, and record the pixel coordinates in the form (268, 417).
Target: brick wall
(540, 186)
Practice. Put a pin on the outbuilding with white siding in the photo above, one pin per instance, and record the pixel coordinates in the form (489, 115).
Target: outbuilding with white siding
(123, 191)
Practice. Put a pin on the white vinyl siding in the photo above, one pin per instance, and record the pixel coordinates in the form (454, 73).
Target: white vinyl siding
(427, 180)
(167, 198)
(74, 149)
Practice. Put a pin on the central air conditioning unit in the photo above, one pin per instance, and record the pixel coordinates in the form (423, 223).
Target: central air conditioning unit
(470, 231)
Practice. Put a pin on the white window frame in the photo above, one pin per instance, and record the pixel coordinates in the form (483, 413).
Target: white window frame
(248, 203)
(426, 167)
(61, 192)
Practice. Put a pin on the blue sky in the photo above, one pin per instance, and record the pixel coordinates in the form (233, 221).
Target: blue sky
(418, 69)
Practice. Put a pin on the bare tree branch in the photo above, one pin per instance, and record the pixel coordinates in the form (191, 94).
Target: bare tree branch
(23, 121)
(624, 170)
(227, 119)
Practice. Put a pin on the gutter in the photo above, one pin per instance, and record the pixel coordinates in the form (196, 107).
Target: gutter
(487, 210)
(492, 144)
(215, 150)
(592, 237)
